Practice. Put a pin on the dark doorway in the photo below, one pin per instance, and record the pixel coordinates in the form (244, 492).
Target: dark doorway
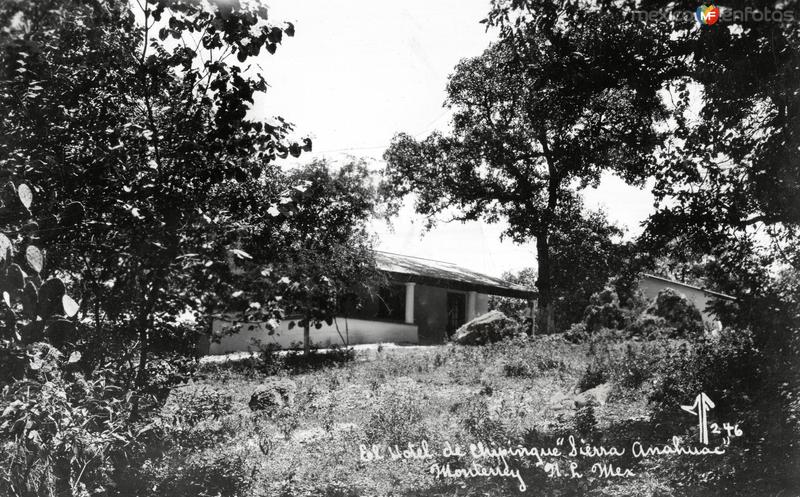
(456, 311)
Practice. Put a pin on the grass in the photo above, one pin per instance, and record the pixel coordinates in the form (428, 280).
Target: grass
(496, 394)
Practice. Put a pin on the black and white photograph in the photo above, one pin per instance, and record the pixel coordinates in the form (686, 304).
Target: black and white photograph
(437, 248)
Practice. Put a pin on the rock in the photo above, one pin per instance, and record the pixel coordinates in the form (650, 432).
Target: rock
(490, 327)
(274, 393)
(596, 395)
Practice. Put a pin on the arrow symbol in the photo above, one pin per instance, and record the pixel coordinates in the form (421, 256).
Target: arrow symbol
(700, 409)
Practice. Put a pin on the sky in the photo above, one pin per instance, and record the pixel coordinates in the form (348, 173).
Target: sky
(357, 72)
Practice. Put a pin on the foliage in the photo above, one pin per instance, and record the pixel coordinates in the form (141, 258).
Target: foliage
(585, 421)
(518, 368)
(516, 309)
(273, 360)
(60, 430)
(739, 141)
(677, 312)
(746, 390)
(595, 374)
(137, 111)
(604, 311)
(329, 257)
(396, 418)
(584, 255)
(565, 94)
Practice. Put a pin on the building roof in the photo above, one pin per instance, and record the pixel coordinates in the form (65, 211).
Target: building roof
(706, 290)
(444, 274)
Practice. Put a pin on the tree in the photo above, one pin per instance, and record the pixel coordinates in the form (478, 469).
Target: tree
(732, 166)
(317, 255)
(565, 94)
(585, 255)
(140, 111)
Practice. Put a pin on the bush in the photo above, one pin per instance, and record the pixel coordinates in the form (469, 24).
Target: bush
(604, 311)
(636, 366)
(477, 421)
(207, 474)
(59, 430)
(747, 388)
(274, 361)
(202, 404)
(517, 369)
(396, 418)
(677, 311)
(577, 333)
(596, 374)
(650, 327)
(585, 421)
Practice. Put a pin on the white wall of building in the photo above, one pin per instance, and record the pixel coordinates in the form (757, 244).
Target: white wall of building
(651, 286)
(357, 330)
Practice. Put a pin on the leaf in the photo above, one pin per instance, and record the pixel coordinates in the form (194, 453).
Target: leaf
(70, 306)
(15, 276)
(25, 195)
(5, 247)
(34, 258)
(58, 330)
(74, 357)
(241, 254)
(7, 298)
(50, 297)
(289, 30)
(275, 35)
(30, 299)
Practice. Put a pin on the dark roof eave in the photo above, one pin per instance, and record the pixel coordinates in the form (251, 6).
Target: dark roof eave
(463, 286)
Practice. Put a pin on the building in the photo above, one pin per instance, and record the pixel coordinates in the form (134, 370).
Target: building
(425, 301)
(651, 284)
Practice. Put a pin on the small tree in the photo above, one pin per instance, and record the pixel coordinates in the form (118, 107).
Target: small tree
(307, 250)
(140, 111)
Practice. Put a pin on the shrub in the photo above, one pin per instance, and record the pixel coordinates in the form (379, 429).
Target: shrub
(747, 387)
(202, 404)
(650, 327)
(585, 422)
(477, 421)
(275, 361)
(576, 333)
(636, 366)
(678, 312)
(596, 374)
(59, 429)
(396, 418)
(604, 311)
(207, 474)
(517, 368)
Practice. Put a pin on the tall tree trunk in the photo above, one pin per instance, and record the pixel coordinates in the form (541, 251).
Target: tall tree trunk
(543, 284)
(307, 336)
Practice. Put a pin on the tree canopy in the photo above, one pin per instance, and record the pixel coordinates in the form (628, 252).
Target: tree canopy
(541, 114)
